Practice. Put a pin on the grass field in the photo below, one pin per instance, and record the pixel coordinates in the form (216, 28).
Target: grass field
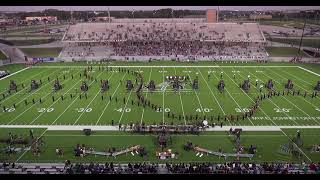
(305, 42)
(30, 42)
(268, 146)
(26, 29)
(41, 52)
(206, 103)
(12, 67)
(284, 52)
(291, 24)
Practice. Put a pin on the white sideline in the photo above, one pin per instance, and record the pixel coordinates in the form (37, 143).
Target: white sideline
(14, 73)
(116, 128)
(308, 71)
(142, 66)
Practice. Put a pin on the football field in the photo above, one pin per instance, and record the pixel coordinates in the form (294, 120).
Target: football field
(186, 106)
(60, 116)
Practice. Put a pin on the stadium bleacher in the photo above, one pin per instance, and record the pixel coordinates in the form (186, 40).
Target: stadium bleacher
(130, 40)
(169, 168)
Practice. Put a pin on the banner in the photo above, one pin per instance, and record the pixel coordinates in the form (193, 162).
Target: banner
(43, 59)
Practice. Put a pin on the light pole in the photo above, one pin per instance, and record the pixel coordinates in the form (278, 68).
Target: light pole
(172, 15)
(133, 15)
(305, 21)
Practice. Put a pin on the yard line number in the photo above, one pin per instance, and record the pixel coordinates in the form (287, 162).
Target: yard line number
(123, 110)
(80, 110)
(242, 110)
(9, 109)
(42, 110)
(204, 110)
(165, 110)
(281, 110)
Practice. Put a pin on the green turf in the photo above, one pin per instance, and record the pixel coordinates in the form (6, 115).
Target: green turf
(30, 42)
(2, 56)
(284, 52)
(281, 23)
(206, 102)
(292, 23)
(26, 29)
(305, 42)
(12, 67)
(267, 143)
(42, 52)
(285, 110)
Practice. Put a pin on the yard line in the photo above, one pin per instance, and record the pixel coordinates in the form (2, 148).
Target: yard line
(234, 101)
(296, 145)
(109, 101)
(301, 88)
(290, 101)
(155, 66)
(146, 97)
(70, 104)
(32, 104)
(14, 73)
(56, 101)
(114, 128)
(90, 102)
(125, 106)
(32, 144)
(184, 135)
(297, 78)
(308, 71)
(163, 96)
(251, 100)
(27, 88)
(26, 80)
(184, 117)
(212, 92)
(196, 94)
(273, 102)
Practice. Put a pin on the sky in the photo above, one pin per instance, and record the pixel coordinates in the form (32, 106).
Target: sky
(100, 8)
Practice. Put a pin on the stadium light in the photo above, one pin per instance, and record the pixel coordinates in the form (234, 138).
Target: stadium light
(305, 22)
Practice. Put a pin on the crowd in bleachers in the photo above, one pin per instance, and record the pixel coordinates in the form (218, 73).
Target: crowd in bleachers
(168, 168)
(167, 40)
(186, 48)
(243, 168)
(99, 32)
(169, 49)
